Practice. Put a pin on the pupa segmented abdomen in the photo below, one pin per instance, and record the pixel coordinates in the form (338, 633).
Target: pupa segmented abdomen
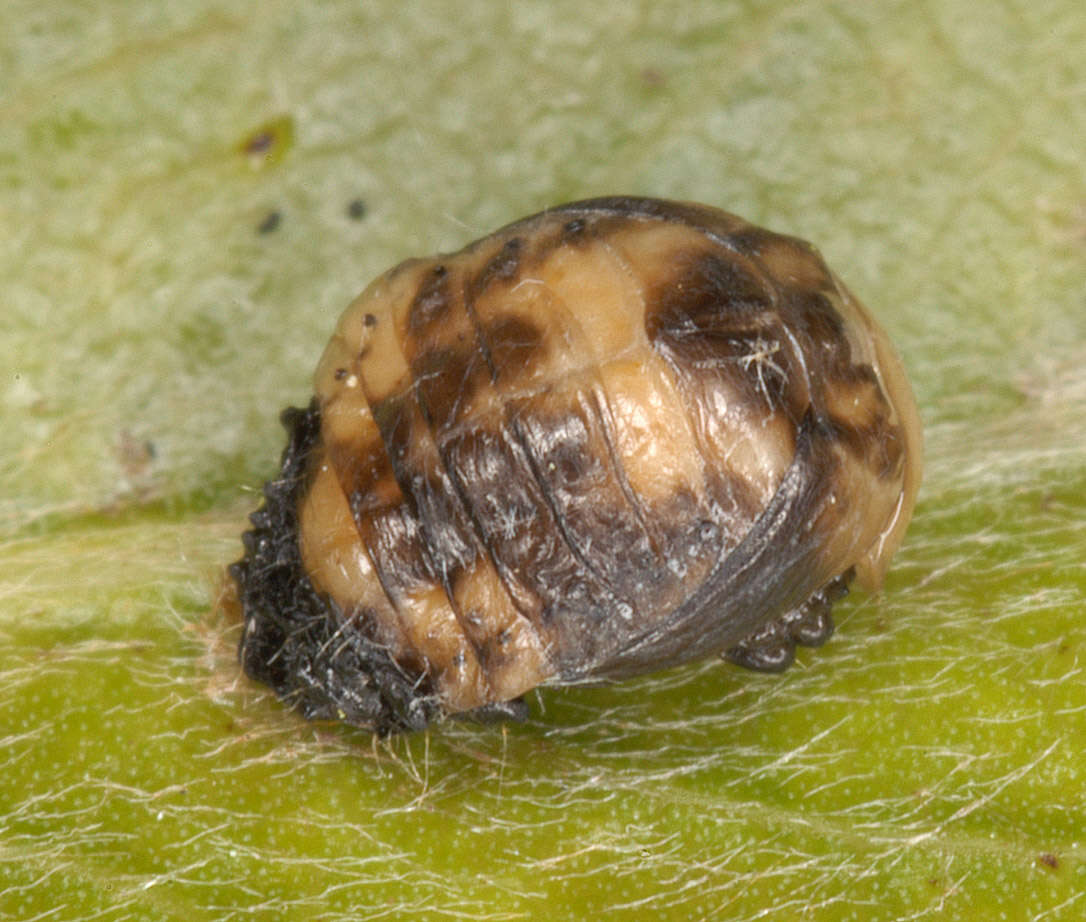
(615, 436)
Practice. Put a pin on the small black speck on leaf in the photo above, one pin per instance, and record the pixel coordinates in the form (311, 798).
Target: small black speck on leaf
(650, 76)
(268, 143)
(259, 143)
(270, 222)
(356, 209)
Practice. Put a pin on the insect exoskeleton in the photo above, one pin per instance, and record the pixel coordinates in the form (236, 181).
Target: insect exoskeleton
(615, 436)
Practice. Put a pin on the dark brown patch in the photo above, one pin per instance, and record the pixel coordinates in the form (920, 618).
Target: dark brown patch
(502, 267)
(394, 540)
(365, 475)
(719, 355)
(812, 316)
(393, 418)
(564, 451)
(759, 364)
(375, 486)
(432, 301)
(752, 240)
(496, 651)
(446, 381)
(429, 496)
(860, 374)
(489, 652)
(1048, 860)
(689, 534)
(356, 209)
(708, 297)
(572, 463)
(378, 482)
(865, 427)
(878, 443)
(496, 482)
(513, 344)
(451, 544)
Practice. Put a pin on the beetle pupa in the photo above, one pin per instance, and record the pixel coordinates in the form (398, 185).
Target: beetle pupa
(615, 436)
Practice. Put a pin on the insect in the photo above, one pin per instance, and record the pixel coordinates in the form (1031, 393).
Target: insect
(615, 436)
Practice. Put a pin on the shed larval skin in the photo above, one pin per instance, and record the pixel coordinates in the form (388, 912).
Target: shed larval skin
(612, 437)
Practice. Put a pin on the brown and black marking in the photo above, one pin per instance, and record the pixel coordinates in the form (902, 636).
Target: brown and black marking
(616, 435)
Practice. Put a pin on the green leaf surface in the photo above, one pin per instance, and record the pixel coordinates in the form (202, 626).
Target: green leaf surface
(927, 763)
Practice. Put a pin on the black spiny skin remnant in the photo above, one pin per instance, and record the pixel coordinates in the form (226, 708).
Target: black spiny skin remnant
(294, 639)
(615, 436)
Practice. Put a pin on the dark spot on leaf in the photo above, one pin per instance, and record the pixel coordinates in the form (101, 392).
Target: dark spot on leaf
(650, 76)
(268, 142)
(260, 143)
(270, 222)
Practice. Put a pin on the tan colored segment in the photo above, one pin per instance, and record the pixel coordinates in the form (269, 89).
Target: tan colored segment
(373, 354)
(519, 662)
(335, 558)
(338, 365)
(852, 526)
(483, 606)
(366, 337)
(859, 403)
(345, 413)
(862, 332)
(365, 475)
(651, 431)
(654, 250)
(752, 445)
(891, 374)
(558, 346)
(793, 262)
(732, 435)
(449, 369)
(353, 444)
(600, 290)
(514, 657)
(435, 634)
